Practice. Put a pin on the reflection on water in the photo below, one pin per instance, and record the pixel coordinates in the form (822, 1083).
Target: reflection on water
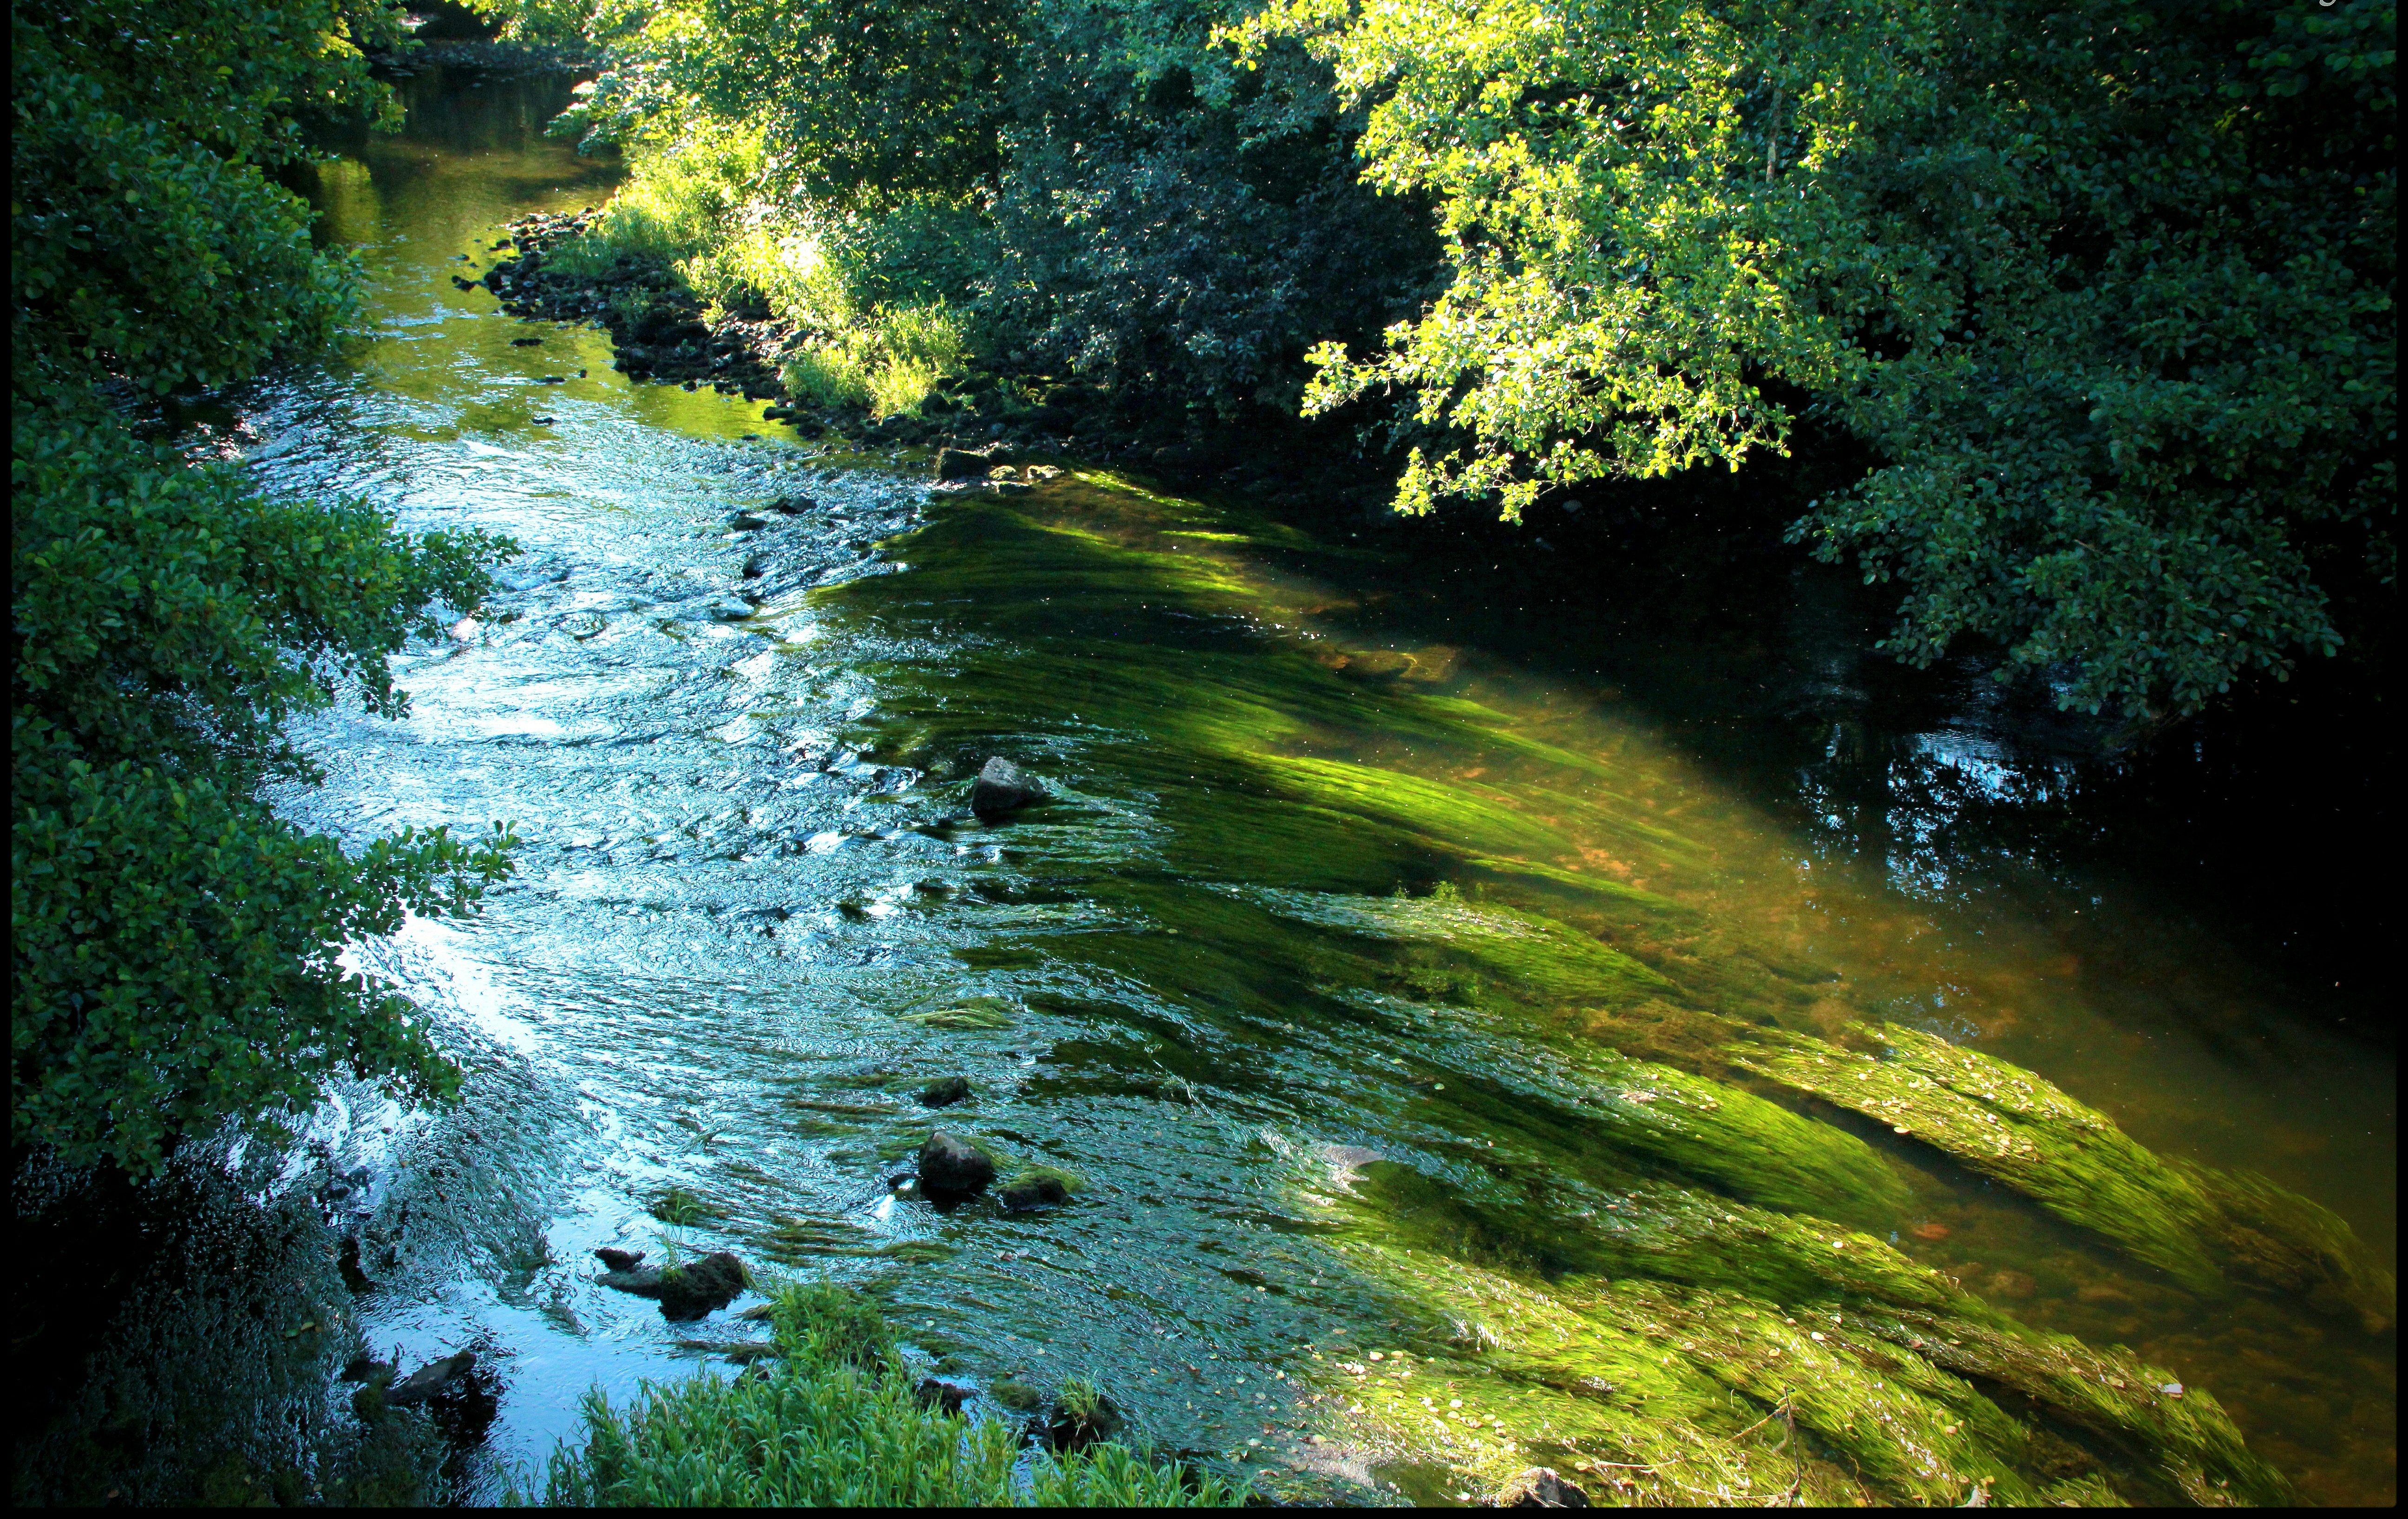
(1327, 889)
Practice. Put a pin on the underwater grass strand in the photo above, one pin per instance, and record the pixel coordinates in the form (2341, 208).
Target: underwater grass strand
(2204, 1229)
(1894, 1390)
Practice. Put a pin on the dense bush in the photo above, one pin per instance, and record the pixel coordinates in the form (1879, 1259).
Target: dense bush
(1087, 191)
(834, 1419)
(174, 943)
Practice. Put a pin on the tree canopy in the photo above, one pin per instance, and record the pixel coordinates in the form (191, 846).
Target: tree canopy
(175, 943)
(2102, 288)
(2106, 289)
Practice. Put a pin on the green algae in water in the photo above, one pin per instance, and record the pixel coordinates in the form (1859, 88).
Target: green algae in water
(1212, 759)
(1233, 757)
(682, 1207)
(980, 1013)
(1666, 1387)
(2207, 1229)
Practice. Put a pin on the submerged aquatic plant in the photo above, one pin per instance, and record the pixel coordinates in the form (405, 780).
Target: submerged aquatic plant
(834, 1421)
(1606, 1243)
(2208, 1229)
(682, 1207)
(1877, 1383)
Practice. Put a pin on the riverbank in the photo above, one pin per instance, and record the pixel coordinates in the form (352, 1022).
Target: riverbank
(663, 332)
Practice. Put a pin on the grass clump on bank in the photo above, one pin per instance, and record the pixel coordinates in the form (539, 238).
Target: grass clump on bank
(836, 1420)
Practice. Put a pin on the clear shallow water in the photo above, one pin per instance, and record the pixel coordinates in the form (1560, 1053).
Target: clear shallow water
(752, 920)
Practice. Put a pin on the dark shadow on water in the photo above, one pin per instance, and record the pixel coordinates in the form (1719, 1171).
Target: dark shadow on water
(2254, 821)
(176, 1342)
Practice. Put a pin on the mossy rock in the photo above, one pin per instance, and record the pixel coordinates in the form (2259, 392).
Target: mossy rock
(1033, 1187)
(1016, 1395)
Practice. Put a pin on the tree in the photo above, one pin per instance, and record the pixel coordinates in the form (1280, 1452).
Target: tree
(175, 943)
(1094, 180)
(2106, 287)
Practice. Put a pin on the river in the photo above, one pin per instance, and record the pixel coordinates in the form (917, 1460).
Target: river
(1351, 928)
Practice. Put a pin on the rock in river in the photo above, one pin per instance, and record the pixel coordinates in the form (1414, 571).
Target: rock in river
(949, 1164)
(619, 1260)
(688, 1292)
(427, 1380)
(1002, 787)
(1076, 1427)
(944, 1397)
(1541, 1488)
(961, 464)
(946, 1093)
(1029, 1192)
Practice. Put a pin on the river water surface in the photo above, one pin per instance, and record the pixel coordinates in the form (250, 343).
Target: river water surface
(1257, 962)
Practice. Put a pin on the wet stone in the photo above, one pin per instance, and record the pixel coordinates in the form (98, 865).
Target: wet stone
(945, 1093)
(619, 1260)
(949, 1164)
(1034, 1192)
(1072, 1429)
(689, 1292)
(969, 464)
(427, 1380)
(1002, 788)
(943, 1396)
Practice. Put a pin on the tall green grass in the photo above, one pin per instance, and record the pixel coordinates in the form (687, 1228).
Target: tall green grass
(835, 1422)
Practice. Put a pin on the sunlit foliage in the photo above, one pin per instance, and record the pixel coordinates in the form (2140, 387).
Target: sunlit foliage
(2103, 290)
(2106, 288)
(1099, 192)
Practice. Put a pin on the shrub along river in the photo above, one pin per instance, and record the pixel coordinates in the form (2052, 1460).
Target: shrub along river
(1455, 1065)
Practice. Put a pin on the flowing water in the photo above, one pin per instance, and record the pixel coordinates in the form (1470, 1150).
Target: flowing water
(1357, 964)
